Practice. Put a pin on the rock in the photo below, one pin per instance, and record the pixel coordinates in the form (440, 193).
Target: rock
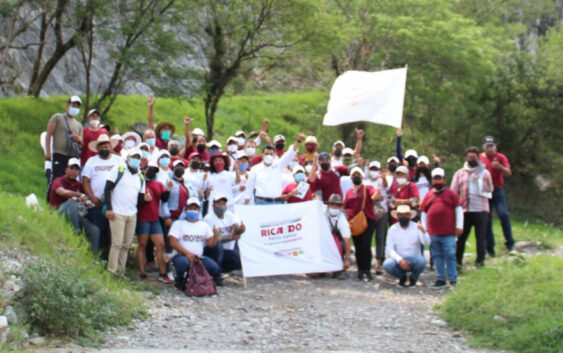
(4, 329)
(36, 341)
(439, 322)
(10, 313)
(500, 318)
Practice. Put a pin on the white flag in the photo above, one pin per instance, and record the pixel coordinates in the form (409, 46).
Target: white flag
(376, 97)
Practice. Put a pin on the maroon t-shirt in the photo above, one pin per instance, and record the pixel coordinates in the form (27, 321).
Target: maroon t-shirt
(73, 185)
(496, 174)
(89, 136)
(149, 211)
(161, 144)
(328, 183)
(290, 187)
(354, 200)
(408, 191)
(203, 155)
(441, 213)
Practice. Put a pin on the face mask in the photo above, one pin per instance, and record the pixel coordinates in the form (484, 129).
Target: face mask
(472, 162)
(151, 173)
(338, 152)
(103, 154)
(192, 215)
(299, 177)
(392, 167)
(200, 148)
(219, 210)
(404, 221)
(241, 141)
(347, 160)
(268, 159)
(280, 146)
(174, 150)
(401, 181)
(134, 163)
(325, 166)
(438, 184)
(95, 123)
(151, 141)
(144, 154)
(412, 161)
(165, 135)
(421, 170)
(357, 180)
(164, 162)
(310, 148)
(195, 165)
(219, 167)
(292, 165)
(308, 168)
(213, 150)
(179, 172)
(72, 111)
(243, 167)
(333, 211)
(373, 174)
(232, 148)
(118, 148)
(129, 144)
(250, 151)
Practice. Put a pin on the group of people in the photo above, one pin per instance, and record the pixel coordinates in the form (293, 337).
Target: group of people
(178, 197)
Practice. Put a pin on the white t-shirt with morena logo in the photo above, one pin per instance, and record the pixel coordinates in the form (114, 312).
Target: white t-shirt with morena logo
(192, 236)
(224, 225)
(98, 171)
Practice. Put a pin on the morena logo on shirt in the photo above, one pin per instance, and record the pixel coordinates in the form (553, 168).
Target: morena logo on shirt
(196, 238)
(103, 168)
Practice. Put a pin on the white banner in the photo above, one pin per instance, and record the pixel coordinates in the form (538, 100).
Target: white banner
(287, 239)
(376, 97)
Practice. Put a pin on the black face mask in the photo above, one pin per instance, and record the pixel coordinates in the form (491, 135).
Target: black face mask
(325, 166)
(151, 173)
(195, 165)
(338, 152)
(392, 167)
(404, 221)
(280, 146)
(200, 148)
(473, 162)
(357, 180)
(103, 153)
(421, 170)
(412, 161)
(174, 150)
(179, 172)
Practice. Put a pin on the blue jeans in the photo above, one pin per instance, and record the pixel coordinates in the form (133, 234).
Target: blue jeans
(229, 260)
(182, 265)
(70, 209)
(417, 264)
(498, 202)
(442, 250)
(97, 217)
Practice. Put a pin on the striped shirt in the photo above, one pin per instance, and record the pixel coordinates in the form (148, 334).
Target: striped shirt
(470, 186)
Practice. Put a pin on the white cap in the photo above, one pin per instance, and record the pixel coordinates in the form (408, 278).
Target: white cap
(198, 131)
(374, 164)
(193, 201)
(279, 137)
(232, 139)
(73, 161)
(134, 152)
(339, 143)
(152, 163)
(74, 99)
(218, 196)
(240, 133)
(92, 111)
(134, 135)
(423, 159)
(162, 153)
(116, 137)
(411, 153)
(348, 151)
(402, 169)
(144, 144)
(393, 158)
(175, 142)
(214, 143)
(297, 169)
(311, 139)
(178, 161)
(438, 172)
(356, 170)
(241, 154)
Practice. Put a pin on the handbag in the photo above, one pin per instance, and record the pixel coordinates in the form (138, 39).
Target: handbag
(199, 283)
(359, 223)
(73, 148)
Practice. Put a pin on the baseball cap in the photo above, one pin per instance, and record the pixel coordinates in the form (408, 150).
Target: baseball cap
(356, 170)
(232, 139)
(193, 201)
(297, 169)
(324, 155)
(74, 99)
(152, 163)
(375, 164)
(392, 159)
(214, 143)
(488, 140)
(134, 152)
(311, 139)
(402, 169)
(198, 131)
(241, 154)
(92, 111)
(73, 162)
(339, 143)
(240, 133)
(218, 196)
(423, 159)
(178, 161)
(438, 172)
(347, 151)
(278, 138)
(410, 153)
(335, 198)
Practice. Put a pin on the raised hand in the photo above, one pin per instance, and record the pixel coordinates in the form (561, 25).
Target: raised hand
(151, 101)
(188, 121)
(360, 133)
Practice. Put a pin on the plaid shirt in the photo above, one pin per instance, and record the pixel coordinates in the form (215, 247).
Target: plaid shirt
(469, 184)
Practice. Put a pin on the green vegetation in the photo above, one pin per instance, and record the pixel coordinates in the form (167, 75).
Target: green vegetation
(515, 305)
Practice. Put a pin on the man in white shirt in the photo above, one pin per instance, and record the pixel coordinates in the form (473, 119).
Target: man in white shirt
(265, 180)
(188, 236)
(227, 228)
(125, 188)
(403, 247)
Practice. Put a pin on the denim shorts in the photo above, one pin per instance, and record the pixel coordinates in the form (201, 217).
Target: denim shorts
(153, 227)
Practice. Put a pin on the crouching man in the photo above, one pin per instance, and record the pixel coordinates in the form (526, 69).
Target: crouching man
(188, 236)
(340, 230)
(403, 247)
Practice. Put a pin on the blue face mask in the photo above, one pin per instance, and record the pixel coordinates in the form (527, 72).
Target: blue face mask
(144, 153)
(213, 150)
(151, 141)
(165, 135)
(243, 167)
(292, 164)
(299, 177)
(73, 111)
(164, 162)
(134, 163)
(192, 215)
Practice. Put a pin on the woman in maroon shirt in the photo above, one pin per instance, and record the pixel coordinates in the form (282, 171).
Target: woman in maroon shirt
(353, 205)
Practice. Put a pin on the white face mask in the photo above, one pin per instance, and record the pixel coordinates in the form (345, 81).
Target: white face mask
(401, 181)
(333, 211)
(241, 141)
(95, 123)
(268, 159)
(373, 174)
(308, 168)
(250, 151)
(129, 144)
(232, 148)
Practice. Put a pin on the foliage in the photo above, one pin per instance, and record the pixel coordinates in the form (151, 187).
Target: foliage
(513, 306)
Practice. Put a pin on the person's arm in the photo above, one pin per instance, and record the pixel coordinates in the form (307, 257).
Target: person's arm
(50, 130)
(88, 191)
(503, 166)
(487, 185)
(312, 177)
(212, 240)
(237, 174)
(175, 244)
(458, 220)
(398, 148)
(423, 237)
(390, 247)
(67, 194)
(188, 134)
(424, 220)
(110, 185)
(262, 132)
(290, 153)
(250, 184)
(359, 141)
(151, 113)
(377, 194)
(455, 184)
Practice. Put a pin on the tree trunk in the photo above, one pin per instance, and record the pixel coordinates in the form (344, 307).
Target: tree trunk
(37, 63)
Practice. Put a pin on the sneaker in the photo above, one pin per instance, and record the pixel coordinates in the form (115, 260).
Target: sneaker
(367, 277)
(164, 279)
(453, 283)
(479, 264)
(142, 277)
(152, 266)
(439, 284)
(412, 282)
(491, 253)
(403, 281)
(218, 282)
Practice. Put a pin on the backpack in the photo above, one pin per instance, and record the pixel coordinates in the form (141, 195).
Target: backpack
(198, 281)
(73, 148)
